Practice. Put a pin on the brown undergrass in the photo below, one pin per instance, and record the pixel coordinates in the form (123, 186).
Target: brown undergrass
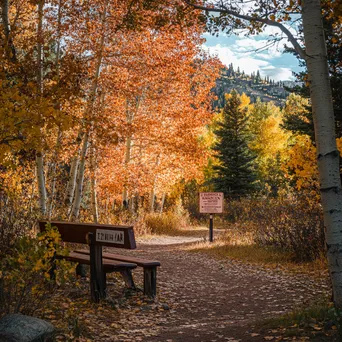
(239, 245)
(168, 223)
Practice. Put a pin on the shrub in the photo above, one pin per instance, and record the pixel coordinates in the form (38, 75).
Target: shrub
(292, 224)
(15, 221)
(28, 275)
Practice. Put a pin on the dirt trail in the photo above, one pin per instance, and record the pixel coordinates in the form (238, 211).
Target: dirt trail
(205, 299)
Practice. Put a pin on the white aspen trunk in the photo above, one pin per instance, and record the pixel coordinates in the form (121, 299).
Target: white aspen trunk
(70, 189)
(162, 202)
(41, 183)
(75, 210)
(327, 153)
(88, 114)
(94, 206)
(129, 120)
(39, 153)
(59, 134)
(127, 160)
(53, 174)
(152, 201)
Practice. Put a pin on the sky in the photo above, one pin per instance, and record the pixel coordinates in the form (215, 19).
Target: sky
(250, 55)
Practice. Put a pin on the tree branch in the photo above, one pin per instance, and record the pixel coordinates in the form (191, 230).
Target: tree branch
(249, 18)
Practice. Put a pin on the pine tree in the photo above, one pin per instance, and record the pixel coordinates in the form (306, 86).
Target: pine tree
(258, 77)
(236, 173)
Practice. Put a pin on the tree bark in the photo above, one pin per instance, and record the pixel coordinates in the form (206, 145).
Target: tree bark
(327, 153)
(162, 202)
(94, 206)
(89, 115)
(9, 46)
(39, 153)
(79, 181)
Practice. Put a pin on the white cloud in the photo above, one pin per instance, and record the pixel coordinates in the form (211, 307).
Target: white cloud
(227, 56)
(250, 62)
(251, 46)
(277, 73)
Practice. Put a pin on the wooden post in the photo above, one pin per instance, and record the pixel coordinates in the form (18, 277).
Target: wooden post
(211, 228)
(150, 281)
(97, 275)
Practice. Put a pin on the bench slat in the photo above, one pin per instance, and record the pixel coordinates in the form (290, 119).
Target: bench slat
(107, 263)
(111, 256)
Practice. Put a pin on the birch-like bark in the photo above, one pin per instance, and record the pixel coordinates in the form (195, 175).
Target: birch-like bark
(10, 48)
(153, 196)
(39, 152)
(53, 175)
(152, 199)
(94, 206)
(162, 202)
(53, 171)
(88, 114)
(41, 182)
(127, 160)
(75, 210)
(71, 185)
(129, 120)
(327, 153)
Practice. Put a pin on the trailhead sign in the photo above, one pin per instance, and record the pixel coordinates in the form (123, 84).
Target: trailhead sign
(211, 202)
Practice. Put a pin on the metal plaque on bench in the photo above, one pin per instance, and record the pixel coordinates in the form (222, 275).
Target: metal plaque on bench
(110, 236)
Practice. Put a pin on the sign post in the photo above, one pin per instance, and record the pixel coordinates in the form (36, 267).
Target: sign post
(211, 203)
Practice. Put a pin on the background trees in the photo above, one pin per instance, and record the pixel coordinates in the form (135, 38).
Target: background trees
(235, 175)
(231, 16)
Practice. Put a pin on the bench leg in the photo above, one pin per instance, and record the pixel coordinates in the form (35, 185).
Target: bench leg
(150, 281)
(97, 274)
(127, 275)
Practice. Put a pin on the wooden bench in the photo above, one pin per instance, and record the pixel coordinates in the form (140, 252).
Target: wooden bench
(149, 266)
(97, 236)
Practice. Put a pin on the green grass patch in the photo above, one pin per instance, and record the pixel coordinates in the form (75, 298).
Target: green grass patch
(319, 322)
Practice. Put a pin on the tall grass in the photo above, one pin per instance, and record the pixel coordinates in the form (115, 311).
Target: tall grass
(168, 223)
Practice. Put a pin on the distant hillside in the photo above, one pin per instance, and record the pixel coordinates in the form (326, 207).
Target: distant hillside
(252, 85)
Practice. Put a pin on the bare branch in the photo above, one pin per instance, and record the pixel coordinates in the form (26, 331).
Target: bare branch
(249, 18)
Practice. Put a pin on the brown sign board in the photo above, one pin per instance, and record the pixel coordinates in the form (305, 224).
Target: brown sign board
(211, 202)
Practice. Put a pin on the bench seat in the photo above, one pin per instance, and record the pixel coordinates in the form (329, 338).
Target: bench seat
(120, 257)
(108, 265)
(149, 266)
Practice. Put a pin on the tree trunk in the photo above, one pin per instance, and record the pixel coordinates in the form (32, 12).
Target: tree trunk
(41, 183)
(127, 160)
(94, 207)
(89, 115)
(327, 153)
(9, 46)
(53, 173)
(39, 152)
(153, 197)
(79, 181)
(162, 202)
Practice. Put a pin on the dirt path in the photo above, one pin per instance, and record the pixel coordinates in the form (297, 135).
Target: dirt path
(203, 299)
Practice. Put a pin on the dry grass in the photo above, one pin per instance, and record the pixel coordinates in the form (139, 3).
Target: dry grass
(168, 223)
(238, 244)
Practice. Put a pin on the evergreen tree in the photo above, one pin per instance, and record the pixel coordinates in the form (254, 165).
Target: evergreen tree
(236, 174)
(258, 77)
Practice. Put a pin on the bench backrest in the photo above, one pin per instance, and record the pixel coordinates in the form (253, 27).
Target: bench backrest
(105, 234)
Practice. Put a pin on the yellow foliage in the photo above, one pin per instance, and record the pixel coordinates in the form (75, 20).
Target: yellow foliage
(301, 165)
